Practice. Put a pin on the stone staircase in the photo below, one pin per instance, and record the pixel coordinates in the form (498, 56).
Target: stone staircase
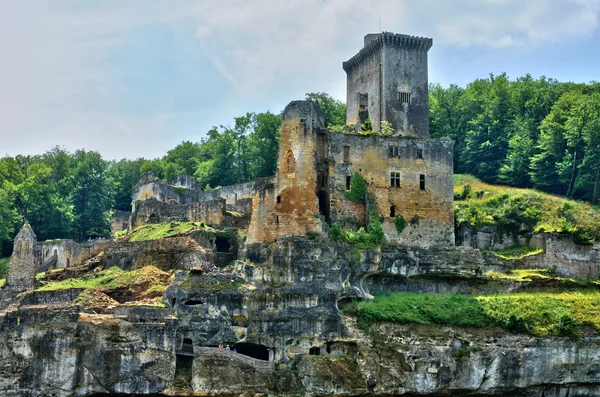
(203, 351)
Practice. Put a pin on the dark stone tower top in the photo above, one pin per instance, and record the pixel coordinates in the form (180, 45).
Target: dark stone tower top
(387, 80)
(21, 269)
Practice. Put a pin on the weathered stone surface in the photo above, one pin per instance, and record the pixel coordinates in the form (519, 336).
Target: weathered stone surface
(22, 267)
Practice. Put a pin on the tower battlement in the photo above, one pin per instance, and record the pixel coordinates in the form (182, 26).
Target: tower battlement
(375, 41)
(387, 80)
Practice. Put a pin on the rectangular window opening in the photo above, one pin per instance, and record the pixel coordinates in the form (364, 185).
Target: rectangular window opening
(395, 179)
(404, 97)
(422, 181)
(346, 153)
(348, 182)
(419, 153)
(278, 199)
(394, 149)
(277, 219)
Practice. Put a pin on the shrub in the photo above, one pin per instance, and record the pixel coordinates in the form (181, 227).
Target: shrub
(400, 224)
(358, 188)
(386, 128)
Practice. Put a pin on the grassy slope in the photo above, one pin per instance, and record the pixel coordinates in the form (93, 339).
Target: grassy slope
(479, 204)
(155, 231)
(112, 278)
(539, 314)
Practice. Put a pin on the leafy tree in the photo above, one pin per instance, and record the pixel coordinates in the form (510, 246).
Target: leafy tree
(334, 111)
(93, 194)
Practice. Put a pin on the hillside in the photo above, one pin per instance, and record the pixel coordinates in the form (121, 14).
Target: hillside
(515, 210)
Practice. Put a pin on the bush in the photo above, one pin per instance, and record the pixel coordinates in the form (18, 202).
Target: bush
(400, 224)
(386, 128)
(358, 188)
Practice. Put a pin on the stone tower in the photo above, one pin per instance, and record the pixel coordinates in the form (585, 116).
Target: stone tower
(21, 269)
(387, 80)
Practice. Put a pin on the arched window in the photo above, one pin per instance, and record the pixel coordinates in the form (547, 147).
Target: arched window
(290, 161)
(27, 245)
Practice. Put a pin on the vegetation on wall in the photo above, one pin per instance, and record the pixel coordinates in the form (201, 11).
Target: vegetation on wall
(539, 314)
(480, 204)
(358, 188)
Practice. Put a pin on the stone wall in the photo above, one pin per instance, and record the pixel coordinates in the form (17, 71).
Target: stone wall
(290, 206)
(154, 211)
(119, 221)
(22, 266)
(231, 194)
(161, 191)
(68, 252)
(488, 237)
(567, 258)
(388, 77)
(428, 212)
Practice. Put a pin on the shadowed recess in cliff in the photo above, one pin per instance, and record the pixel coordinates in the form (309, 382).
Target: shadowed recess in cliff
(260, 352)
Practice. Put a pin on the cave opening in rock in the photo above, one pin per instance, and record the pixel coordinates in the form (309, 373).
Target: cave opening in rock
(314, 351)
(193, 302)
(183, 371)
(222, 244)
(187, 346)
(260, 352)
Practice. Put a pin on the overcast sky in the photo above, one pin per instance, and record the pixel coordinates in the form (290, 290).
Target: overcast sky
(133, 78)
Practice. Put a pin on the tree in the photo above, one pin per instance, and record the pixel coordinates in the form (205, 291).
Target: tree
(264, 144)
(93, 195)
(334, 111)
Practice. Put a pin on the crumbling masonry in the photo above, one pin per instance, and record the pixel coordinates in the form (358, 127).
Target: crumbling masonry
(409, 174)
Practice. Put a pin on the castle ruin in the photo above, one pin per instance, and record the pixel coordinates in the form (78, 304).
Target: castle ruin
(409, 174)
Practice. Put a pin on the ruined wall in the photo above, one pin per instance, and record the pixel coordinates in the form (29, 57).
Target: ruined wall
(364, 77)
(162, 192)
(567, 258)
(429, 212)
(154, 211)
(388, 76)
(231, 194)
(21, 268)
(119, 221)
(290, 206)
(68, 252)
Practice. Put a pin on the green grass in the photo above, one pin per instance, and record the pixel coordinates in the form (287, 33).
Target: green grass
(517, 252)
(110, 279)
(539, 314)
(406, 308)
(4, 266)
(155, 231)
(509, 208)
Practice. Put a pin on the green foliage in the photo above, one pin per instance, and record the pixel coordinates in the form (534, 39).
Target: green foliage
(510, 208)
(540, 314)
(400, 224)
(358, 188)
(524, 132)
(4, 266)
(517, 252)
(361, 238)
(386, 128)
(155, 231)
(111, 279)
(366, 126)
(334, 111)
(405, 308)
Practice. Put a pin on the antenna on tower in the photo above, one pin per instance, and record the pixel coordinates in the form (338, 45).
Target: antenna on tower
(380, 24)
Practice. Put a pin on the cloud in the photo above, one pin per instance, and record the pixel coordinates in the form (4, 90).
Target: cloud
(73, 71)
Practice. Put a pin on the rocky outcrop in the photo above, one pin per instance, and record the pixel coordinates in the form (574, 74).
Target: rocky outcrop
(279, 307)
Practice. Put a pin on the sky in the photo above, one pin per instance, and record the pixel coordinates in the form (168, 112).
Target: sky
(134, 78)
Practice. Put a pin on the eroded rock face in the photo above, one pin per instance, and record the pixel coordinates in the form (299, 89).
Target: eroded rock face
(282, 301)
